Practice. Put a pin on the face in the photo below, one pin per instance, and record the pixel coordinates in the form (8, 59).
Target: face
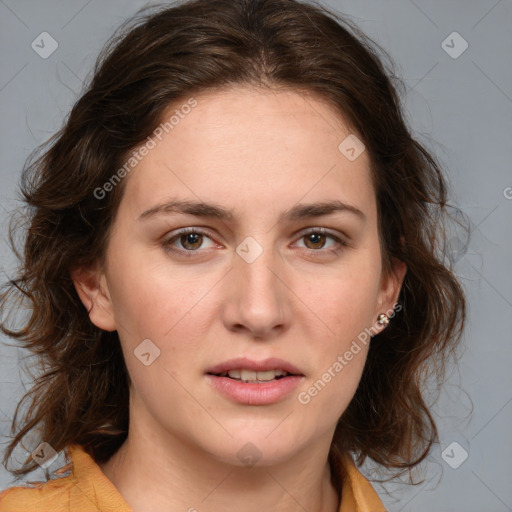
(245, 243)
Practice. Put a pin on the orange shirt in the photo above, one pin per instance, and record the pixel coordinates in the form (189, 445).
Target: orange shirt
(87, 489)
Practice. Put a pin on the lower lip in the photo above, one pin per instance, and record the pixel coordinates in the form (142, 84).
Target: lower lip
(253, 393)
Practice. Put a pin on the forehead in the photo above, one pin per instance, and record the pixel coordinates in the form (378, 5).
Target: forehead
(248, 146)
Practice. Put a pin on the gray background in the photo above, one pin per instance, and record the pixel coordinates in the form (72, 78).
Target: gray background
(461, 108)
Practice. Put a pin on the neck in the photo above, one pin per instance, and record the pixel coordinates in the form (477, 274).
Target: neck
(167, 473)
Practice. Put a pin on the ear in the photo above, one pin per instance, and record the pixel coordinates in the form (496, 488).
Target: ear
(390, 286)
(91, 286)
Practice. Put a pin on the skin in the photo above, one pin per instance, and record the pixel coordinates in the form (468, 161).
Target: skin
(258, 153)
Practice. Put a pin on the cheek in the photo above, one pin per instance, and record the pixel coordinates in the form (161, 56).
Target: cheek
(344, 305)
(157, 301)
(345, 308)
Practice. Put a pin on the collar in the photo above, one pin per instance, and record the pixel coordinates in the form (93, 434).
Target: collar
(81, 485)
(357, 493)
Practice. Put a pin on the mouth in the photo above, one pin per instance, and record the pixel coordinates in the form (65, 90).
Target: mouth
(251, 376)
(250, 382)
(247, 370)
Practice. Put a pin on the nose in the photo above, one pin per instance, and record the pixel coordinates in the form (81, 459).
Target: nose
(256, 297)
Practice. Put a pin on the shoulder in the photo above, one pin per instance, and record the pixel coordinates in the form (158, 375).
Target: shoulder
(78, 486)
(54, 494)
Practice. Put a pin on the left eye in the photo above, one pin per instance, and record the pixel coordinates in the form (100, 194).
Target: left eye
(318, 238)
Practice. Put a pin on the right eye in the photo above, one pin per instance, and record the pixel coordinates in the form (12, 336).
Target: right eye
(190, 239)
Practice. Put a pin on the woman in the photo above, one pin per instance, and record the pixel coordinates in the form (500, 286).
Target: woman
(235, 272)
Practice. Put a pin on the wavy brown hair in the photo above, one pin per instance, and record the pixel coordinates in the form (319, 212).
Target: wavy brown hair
(159, 57)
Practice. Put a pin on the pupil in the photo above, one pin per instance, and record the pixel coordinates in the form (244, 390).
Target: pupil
(316, 238)
(192, 239)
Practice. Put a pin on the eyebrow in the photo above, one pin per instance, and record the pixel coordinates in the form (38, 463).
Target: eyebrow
(212, 210)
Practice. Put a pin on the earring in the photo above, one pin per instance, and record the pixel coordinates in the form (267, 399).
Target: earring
(383, 319)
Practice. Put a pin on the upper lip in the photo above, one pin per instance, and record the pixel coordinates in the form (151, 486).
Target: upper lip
(242, 363)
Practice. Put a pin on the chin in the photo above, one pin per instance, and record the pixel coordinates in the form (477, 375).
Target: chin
(257, 449)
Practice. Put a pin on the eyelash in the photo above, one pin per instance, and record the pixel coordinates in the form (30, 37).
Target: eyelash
(190, 254)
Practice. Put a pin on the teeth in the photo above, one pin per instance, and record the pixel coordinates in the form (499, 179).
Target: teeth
(265, 376)
(248, 375)
(252, 376)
